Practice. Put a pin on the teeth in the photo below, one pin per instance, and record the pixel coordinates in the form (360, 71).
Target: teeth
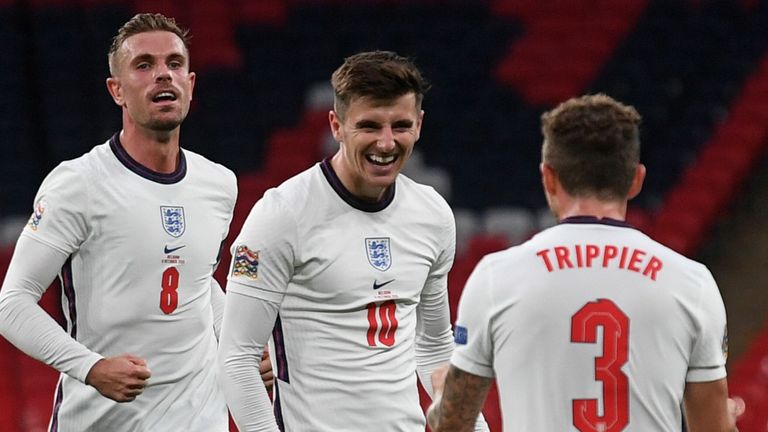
(381, 159)
(165, 95)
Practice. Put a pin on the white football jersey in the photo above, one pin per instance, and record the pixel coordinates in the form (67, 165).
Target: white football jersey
(142, 247)
(592, 326)
(351, 278)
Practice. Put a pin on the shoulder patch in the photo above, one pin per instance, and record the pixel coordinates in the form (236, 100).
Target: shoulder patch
(246, 263)
(37, 216)
(461, 335)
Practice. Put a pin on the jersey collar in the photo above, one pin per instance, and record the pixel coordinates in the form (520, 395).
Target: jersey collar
(157, 177)
(343, 193)
(595, 220)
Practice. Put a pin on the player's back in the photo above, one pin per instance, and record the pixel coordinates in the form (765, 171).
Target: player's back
(594, 326)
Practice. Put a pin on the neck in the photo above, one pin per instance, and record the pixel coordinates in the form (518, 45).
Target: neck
(358, 189)
(592, 207)
(158, 151)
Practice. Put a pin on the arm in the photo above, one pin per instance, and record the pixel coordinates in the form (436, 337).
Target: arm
(457, 406)
(247, 324)
(706, 406)
(217, 306)
(26, 325)
(434, 338)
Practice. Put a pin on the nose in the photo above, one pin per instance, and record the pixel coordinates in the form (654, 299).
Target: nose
(386, 141)
(162, 73)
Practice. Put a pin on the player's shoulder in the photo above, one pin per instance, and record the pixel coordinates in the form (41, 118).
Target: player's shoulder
(298, 190)
(292, 196)
(676, 260)
(73, 173)
(207, 167)
(424, 194)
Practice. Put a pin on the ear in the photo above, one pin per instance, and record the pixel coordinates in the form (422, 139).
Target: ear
(419, 122)
(191, 78)
(549, 179)
(637, 181)
(335, 122)
(115, 90)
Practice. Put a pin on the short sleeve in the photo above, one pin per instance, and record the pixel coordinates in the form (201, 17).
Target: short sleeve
(473, 352)
(263, 253)
(710, 345)
(60, 210)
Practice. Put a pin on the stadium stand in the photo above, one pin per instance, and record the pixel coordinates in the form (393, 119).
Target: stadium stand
(696, 70)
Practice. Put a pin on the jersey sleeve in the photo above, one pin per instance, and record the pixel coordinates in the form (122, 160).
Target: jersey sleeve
(246, 327)
(707, 361)
(25, 324)
(474, 350)
(60, 211)
(433, 323)
(263, 253)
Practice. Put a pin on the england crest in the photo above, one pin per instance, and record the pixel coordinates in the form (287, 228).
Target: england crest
(173, 220)
(379, 253)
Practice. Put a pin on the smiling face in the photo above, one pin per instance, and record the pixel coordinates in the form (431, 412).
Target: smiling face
(375, 139)
(152, 82)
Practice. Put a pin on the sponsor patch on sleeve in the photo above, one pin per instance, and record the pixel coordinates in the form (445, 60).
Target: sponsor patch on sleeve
(37, 216)
(246, 263)
(460, 336)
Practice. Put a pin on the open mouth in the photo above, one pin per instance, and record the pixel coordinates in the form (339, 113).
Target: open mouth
(381, 160)
(164, 96)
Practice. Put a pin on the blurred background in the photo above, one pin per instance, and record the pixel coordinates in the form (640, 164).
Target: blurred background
(696, 70)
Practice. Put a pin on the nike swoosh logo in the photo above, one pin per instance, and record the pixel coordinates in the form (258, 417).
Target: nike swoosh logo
(377, 285)
(170, 250)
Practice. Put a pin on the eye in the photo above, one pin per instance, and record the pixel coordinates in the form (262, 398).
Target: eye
(143, 66)
(175, 65)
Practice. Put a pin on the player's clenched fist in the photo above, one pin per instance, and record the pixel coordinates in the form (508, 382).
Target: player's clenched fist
(120, 378)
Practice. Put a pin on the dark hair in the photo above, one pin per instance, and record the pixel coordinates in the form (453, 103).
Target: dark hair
(593, 145)
(379, 75)
(142, 23)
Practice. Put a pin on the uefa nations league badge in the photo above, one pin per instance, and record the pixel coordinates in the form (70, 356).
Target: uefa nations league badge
(173, 220)
(379, 254)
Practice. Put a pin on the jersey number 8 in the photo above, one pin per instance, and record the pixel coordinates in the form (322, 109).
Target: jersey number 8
(169, 297)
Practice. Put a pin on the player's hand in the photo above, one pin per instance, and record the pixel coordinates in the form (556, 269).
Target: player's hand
(736, 408)
(120, 378)
(438, 379)
(265, 368)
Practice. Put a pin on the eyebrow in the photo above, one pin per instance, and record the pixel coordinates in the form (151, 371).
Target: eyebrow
(402, 124)
(367, 124)
(149, 57)
(371, 124)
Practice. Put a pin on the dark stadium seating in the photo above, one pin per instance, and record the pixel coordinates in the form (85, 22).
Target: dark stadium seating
(696, 70)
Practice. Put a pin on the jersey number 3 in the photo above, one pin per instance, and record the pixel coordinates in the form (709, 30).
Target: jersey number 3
(584, 324)
(384, 312)
(169, 297)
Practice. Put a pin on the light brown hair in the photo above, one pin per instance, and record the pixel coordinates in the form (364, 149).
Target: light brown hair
(142, 23)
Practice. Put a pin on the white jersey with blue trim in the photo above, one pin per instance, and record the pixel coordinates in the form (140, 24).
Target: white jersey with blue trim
(360, 287)
(142, 248)
(591, 325)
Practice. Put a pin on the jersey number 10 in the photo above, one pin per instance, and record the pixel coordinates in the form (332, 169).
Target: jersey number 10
(584, 323)
(384, 312)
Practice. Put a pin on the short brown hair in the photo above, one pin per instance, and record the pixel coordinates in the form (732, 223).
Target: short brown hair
(593, 145)
(142, 23)
(379, 75)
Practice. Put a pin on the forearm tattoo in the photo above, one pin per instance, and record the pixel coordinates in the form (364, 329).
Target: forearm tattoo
(462, 401)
